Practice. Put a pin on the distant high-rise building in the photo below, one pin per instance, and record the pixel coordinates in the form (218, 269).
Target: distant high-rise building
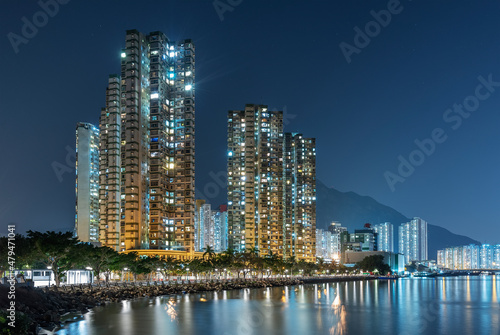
(255, 180)
(496, 257)
(385, 236)
(220, 229)
(324, 244)
(147, 155)
(458, 257)
(206, 226)
(211, 227)
(198, 230)
(440, 259)
(469, 257)
(87, 183)
(336, 231)
(413, 240)
(367, 237)
(486, 256)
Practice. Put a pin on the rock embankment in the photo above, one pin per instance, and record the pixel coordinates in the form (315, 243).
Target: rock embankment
(45, 306)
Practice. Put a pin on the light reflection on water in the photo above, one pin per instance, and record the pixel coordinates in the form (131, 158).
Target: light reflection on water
(454, 305)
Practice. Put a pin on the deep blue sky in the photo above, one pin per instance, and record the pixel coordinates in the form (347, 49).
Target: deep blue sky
(281, 53)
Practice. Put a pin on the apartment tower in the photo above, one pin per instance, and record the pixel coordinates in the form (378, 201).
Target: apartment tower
(150, 110)
(87, 183)
(413, 240)
(299, 203)
(255, 180)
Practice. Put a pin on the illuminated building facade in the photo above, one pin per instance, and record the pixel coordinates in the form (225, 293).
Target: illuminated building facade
(150, 109)
(324, 245)
(299, 206)
(413, 240)
(255, 180)
(471, 256)
(87, 183)
(385, 236)
(198, 243)
(336, 231)
(110, 167)
(220, 229)
(271, 186)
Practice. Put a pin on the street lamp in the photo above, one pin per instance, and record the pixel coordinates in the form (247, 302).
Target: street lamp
(126, 269)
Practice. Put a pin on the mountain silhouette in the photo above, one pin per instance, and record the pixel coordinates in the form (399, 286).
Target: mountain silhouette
(353, 211)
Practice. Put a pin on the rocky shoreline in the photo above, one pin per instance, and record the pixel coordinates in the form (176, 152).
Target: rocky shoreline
(44, 307)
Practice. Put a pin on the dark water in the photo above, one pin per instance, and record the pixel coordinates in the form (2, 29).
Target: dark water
(456, 305)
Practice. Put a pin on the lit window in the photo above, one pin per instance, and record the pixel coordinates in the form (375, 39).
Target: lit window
(189, 87)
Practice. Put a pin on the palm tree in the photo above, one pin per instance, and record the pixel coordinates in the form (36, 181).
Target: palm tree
(208, 251)
(271, 261)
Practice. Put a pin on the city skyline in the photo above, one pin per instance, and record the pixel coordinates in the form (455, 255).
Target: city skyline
(343, 99)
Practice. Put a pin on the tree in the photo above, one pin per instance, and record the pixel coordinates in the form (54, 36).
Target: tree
(54, 250)
(100, 259)
(372, 263)
(168, 266)
(208, 251)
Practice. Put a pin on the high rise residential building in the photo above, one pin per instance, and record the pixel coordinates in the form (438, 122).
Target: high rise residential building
(496, 257)
(150, 109)
(486, 256)
(413, 240)
(385, 236)
(220, 229)
(336, 231)
(470, 257)
(299, 205)
(198, 243)
(441, 260)
(448, 258)
(271, 185)
(110, 167)
(211, 227)
(324, 244)
(255, 180)
(87, 183)
(458, 257)
(206, 226)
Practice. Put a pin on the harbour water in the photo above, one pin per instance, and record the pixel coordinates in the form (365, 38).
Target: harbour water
(452, 305)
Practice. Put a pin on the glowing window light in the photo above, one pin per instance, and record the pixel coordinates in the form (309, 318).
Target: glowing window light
(124, 55)
(154, 96)
(189, 87)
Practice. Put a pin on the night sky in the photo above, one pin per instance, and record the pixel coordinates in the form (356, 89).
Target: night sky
(285, 54)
